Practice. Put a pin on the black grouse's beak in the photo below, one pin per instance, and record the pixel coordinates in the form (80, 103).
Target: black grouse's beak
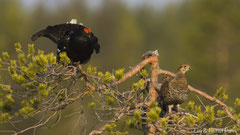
(190, 68)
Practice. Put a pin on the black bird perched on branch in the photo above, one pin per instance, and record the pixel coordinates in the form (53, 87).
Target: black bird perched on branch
(75, 39)
(174, 90)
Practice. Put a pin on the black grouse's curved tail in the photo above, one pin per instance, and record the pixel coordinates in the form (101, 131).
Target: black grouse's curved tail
(44, 33)
(56, 32)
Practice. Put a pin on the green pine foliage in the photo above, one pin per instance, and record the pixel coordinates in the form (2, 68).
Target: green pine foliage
(119, 73)
(29, 75)
(5, 56)
(221, 94)
(64, 58)
(41, 84)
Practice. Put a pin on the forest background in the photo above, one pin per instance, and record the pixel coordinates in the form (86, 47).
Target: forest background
(202, 33)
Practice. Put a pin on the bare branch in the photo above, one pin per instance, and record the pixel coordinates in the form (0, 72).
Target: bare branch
(33, 127)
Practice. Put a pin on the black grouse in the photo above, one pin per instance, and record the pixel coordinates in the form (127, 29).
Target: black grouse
(174, 90)
(75, 39)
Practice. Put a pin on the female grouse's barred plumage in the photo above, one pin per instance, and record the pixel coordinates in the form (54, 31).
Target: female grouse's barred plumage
(174, 90)
(75, 39)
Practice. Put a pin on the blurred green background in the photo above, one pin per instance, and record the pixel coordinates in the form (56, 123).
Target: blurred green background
(202, 33)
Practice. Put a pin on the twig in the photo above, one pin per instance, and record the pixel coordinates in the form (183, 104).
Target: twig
(41, 124)
(117, 117)
(224, 106)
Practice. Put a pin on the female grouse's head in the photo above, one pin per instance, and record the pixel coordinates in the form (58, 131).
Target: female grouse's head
(184, 68)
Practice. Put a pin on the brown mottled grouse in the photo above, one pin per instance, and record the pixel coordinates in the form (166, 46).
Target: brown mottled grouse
(174, 90)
